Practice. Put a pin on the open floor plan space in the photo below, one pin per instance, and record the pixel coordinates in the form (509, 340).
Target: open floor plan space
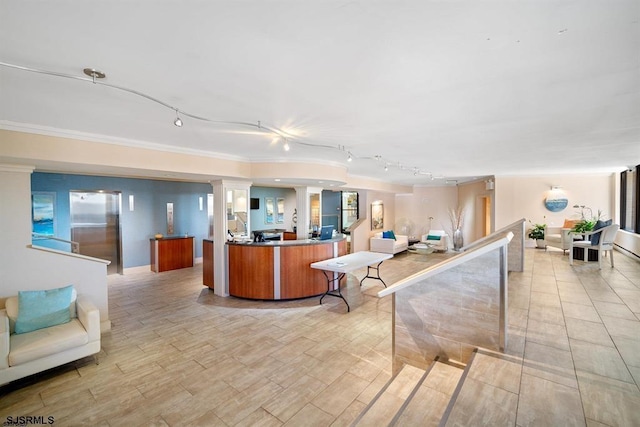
(179, 355)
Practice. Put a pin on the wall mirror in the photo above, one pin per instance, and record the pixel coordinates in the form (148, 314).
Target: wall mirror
(314, 211)
(268, 210)
(237, 208)
(280, 210)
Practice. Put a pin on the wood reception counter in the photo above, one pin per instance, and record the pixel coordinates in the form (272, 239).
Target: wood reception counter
(276, 270)
(171, 253)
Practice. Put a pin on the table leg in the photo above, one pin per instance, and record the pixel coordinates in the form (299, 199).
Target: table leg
(377, 277)
(331, 280)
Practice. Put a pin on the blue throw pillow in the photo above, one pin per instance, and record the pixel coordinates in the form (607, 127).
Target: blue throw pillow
(595, 238)
(42, 309)
(389, 235)
(431, 237)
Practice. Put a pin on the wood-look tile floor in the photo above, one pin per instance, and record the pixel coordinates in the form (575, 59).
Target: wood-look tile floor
(179, 355)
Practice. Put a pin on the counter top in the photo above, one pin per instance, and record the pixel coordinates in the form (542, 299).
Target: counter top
(303, 242)
(171, 237)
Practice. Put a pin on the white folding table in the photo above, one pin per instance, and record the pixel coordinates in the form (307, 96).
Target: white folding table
(346, 264)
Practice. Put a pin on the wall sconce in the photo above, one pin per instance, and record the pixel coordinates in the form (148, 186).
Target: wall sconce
(131, 203)
(200, 203)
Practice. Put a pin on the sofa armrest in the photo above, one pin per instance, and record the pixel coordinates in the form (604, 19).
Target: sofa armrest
(402, 239)
(4, 339)
(378, 244)
(89, 316)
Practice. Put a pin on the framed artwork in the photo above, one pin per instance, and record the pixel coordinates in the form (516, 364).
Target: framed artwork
(268, 210)
(377, 216)
(43, 212)
(280, 210)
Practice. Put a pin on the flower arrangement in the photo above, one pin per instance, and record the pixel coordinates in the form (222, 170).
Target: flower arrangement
(456, 215)
(585, 224)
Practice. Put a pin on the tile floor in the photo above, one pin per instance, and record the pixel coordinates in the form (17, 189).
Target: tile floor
(179, 355)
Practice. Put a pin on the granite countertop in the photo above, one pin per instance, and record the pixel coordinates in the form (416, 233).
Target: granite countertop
(302, 242)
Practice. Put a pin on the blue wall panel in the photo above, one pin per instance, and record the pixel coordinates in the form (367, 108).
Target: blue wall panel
(149, 216)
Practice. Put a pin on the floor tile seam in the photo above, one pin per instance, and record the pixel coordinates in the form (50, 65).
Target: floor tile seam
(636, 392)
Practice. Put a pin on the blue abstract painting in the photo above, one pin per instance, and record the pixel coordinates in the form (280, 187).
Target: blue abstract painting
(556, 204)
(43, 212)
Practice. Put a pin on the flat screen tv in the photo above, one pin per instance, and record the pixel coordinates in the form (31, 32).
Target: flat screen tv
(255, 203)
(326, 232)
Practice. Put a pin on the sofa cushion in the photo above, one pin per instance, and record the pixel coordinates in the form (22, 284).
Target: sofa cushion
(44, 342)
(570, 223)
(389, 235)
(11, 305)
(43, 309)
(595, 238)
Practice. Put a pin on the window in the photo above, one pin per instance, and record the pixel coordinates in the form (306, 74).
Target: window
(630, 200)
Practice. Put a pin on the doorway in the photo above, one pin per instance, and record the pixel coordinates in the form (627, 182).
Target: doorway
(95, 225)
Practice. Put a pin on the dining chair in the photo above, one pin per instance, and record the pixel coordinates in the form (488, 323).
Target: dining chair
(604, 245)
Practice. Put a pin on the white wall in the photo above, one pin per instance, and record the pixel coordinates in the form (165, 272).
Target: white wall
(427, 202)
(24, 268)
(523, 197)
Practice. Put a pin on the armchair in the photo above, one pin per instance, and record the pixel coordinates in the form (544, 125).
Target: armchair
(437, 239)
(377, 243)
(604, 243)
(558, 237)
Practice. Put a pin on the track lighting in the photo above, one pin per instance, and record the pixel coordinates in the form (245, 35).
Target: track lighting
(177, 121)
(98, 77)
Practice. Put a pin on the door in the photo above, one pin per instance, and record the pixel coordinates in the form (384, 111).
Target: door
(95, 225)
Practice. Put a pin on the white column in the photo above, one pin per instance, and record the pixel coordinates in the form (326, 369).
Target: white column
(220, 265)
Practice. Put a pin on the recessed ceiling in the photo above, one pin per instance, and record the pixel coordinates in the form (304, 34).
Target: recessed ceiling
(442, 90)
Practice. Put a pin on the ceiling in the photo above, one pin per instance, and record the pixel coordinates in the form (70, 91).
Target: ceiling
(435, 91)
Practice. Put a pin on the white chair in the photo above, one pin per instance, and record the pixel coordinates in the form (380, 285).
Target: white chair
(605, 243)
(437, 239)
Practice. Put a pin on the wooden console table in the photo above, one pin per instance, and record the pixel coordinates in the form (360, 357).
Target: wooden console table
(171, 253)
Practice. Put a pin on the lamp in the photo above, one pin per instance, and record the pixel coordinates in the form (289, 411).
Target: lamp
(286, 145)
(177, 121)
(349, 158)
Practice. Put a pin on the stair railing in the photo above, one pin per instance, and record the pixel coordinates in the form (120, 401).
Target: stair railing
(451, 308)
(74, 247)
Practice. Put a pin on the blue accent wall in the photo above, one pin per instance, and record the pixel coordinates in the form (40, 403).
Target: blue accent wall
(258, 215)
(150, 209)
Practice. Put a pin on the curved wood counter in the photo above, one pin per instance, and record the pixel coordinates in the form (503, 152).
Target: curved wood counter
(276, 270)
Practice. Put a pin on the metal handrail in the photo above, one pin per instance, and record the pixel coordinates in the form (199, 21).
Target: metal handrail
(447, 264)
(75, 246)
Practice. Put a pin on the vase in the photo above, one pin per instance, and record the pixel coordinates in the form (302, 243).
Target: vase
(457, 240)
(541, 244)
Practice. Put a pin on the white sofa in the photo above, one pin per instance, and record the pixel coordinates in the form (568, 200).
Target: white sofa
(388, 246)
(28, 353)
(436, 239)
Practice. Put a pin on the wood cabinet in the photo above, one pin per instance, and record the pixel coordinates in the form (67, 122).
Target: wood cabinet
(171, 253)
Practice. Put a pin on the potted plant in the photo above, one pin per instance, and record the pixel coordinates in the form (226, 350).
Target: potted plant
(536, 232)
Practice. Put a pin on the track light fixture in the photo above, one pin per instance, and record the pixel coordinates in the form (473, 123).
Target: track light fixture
(178, 120)
(98, 77)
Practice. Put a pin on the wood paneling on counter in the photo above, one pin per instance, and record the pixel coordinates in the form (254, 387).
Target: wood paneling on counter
(251, 271)
(171, 254)
(207, 263)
